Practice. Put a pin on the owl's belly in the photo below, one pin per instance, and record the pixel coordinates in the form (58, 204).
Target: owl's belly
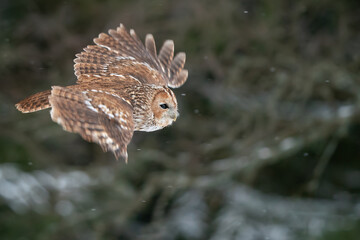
(148, 128)
(145, 123)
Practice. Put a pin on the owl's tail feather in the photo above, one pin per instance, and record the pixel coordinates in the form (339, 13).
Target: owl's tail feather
(36, 102)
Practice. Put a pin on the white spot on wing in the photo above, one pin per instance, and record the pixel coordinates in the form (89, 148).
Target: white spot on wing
(108, 48)
(58, 119)
(134, 78)
(147, 65)
(106, 110)
(124, 127)
(88, 105)
(117, 75)
(125, 58)
(109, 141)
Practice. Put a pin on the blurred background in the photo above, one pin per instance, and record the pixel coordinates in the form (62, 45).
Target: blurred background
(267, 145)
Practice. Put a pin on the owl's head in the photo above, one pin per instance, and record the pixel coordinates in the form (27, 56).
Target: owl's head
(164, 107)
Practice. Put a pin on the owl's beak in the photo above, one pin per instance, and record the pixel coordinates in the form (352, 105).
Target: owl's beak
(174, 116)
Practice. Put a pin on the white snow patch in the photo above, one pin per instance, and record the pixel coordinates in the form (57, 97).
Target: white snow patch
(264, 153)
(345, 111)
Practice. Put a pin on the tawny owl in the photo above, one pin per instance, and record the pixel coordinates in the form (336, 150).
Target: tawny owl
(122, 86)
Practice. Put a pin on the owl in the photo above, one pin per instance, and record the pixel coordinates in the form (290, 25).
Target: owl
(122, 86)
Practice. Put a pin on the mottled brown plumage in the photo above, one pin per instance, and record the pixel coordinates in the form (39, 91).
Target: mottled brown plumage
(122, 87)
(36, 102)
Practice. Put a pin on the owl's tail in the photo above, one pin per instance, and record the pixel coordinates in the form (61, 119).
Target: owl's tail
(36, 102)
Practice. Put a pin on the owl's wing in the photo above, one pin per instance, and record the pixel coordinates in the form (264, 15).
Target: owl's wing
(172, 67)
(97, 117)
(121, 54)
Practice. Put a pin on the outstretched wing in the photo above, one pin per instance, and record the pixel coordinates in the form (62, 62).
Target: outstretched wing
(96, 116)
(121, 54)
(173, 67)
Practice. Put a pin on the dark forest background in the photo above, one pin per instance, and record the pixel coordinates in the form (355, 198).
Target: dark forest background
(267, 145)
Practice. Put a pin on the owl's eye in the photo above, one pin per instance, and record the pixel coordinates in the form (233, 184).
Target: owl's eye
(164, 106)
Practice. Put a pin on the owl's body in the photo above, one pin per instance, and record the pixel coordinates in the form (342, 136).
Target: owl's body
(122, 87)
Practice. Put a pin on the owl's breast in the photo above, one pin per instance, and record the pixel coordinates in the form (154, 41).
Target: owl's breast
(142, 115)
(144, 121)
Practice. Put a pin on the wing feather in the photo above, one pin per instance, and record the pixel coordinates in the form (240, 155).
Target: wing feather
(121, 52)
(105, 120)
(180, 79)
(166, 55)
(150, 45)
(177, 65)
